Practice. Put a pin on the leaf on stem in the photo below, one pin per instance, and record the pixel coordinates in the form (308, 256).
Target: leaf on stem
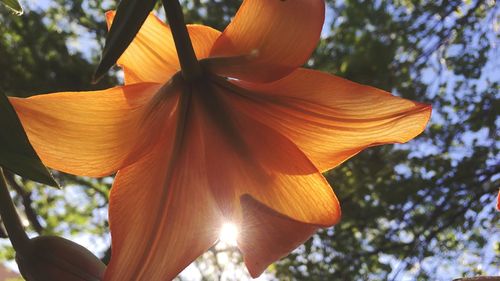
(16, 152)
(130, 15)
(14, 5)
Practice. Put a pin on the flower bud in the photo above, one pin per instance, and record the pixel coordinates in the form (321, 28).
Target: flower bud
(51, 258)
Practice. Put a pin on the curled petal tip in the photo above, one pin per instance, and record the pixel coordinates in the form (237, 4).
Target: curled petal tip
(284, 32)
(267, 236)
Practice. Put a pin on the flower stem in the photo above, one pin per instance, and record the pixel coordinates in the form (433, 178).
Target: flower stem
(190, 66)
(10, 218)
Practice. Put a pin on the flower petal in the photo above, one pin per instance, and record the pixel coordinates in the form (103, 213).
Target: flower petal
(244, 156)
(332, 119)
(157, 230)
(162, 214)
(152, 57)
(271, 37)
(86, 133)
(266, 236)
(498, 201)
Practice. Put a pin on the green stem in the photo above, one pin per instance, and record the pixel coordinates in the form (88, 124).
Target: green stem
(190, 67)
(10, 218)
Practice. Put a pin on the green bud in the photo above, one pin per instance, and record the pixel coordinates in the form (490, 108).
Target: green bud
(51, 258)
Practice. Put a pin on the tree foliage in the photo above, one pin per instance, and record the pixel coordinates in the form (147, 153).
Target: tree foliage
(409, 211)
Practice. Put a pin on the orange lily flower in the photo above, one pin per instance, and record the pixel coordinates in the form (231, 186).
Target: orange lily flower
(247, 142)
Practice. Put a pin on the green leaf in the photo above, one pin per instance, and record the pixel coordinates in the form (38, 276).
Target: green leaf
(16, 152)
(130, 15)
(14, 6)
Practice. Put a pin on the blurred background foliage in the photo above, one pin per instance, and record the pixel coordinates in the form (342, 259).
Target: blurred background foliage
(418, 211)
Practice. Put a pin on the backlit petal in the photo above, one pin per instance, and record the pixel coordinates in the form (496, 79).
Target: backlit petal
(162, 214)
(244, 156)
(86, 133)
(167, 209)
(330, 118)
(266, 236)
(270, 37)
(152, 57)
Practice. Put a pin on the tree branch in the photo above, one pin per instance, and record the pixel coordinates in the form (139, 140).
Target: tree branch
(479, 278)
(31, 214)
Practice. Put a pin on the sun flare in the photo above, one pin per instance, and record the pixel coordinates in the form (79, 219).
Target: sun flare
(228, 234)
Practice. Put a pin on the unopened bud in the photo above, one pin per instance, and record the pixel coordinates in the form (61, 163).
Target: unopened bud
(51, 258)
